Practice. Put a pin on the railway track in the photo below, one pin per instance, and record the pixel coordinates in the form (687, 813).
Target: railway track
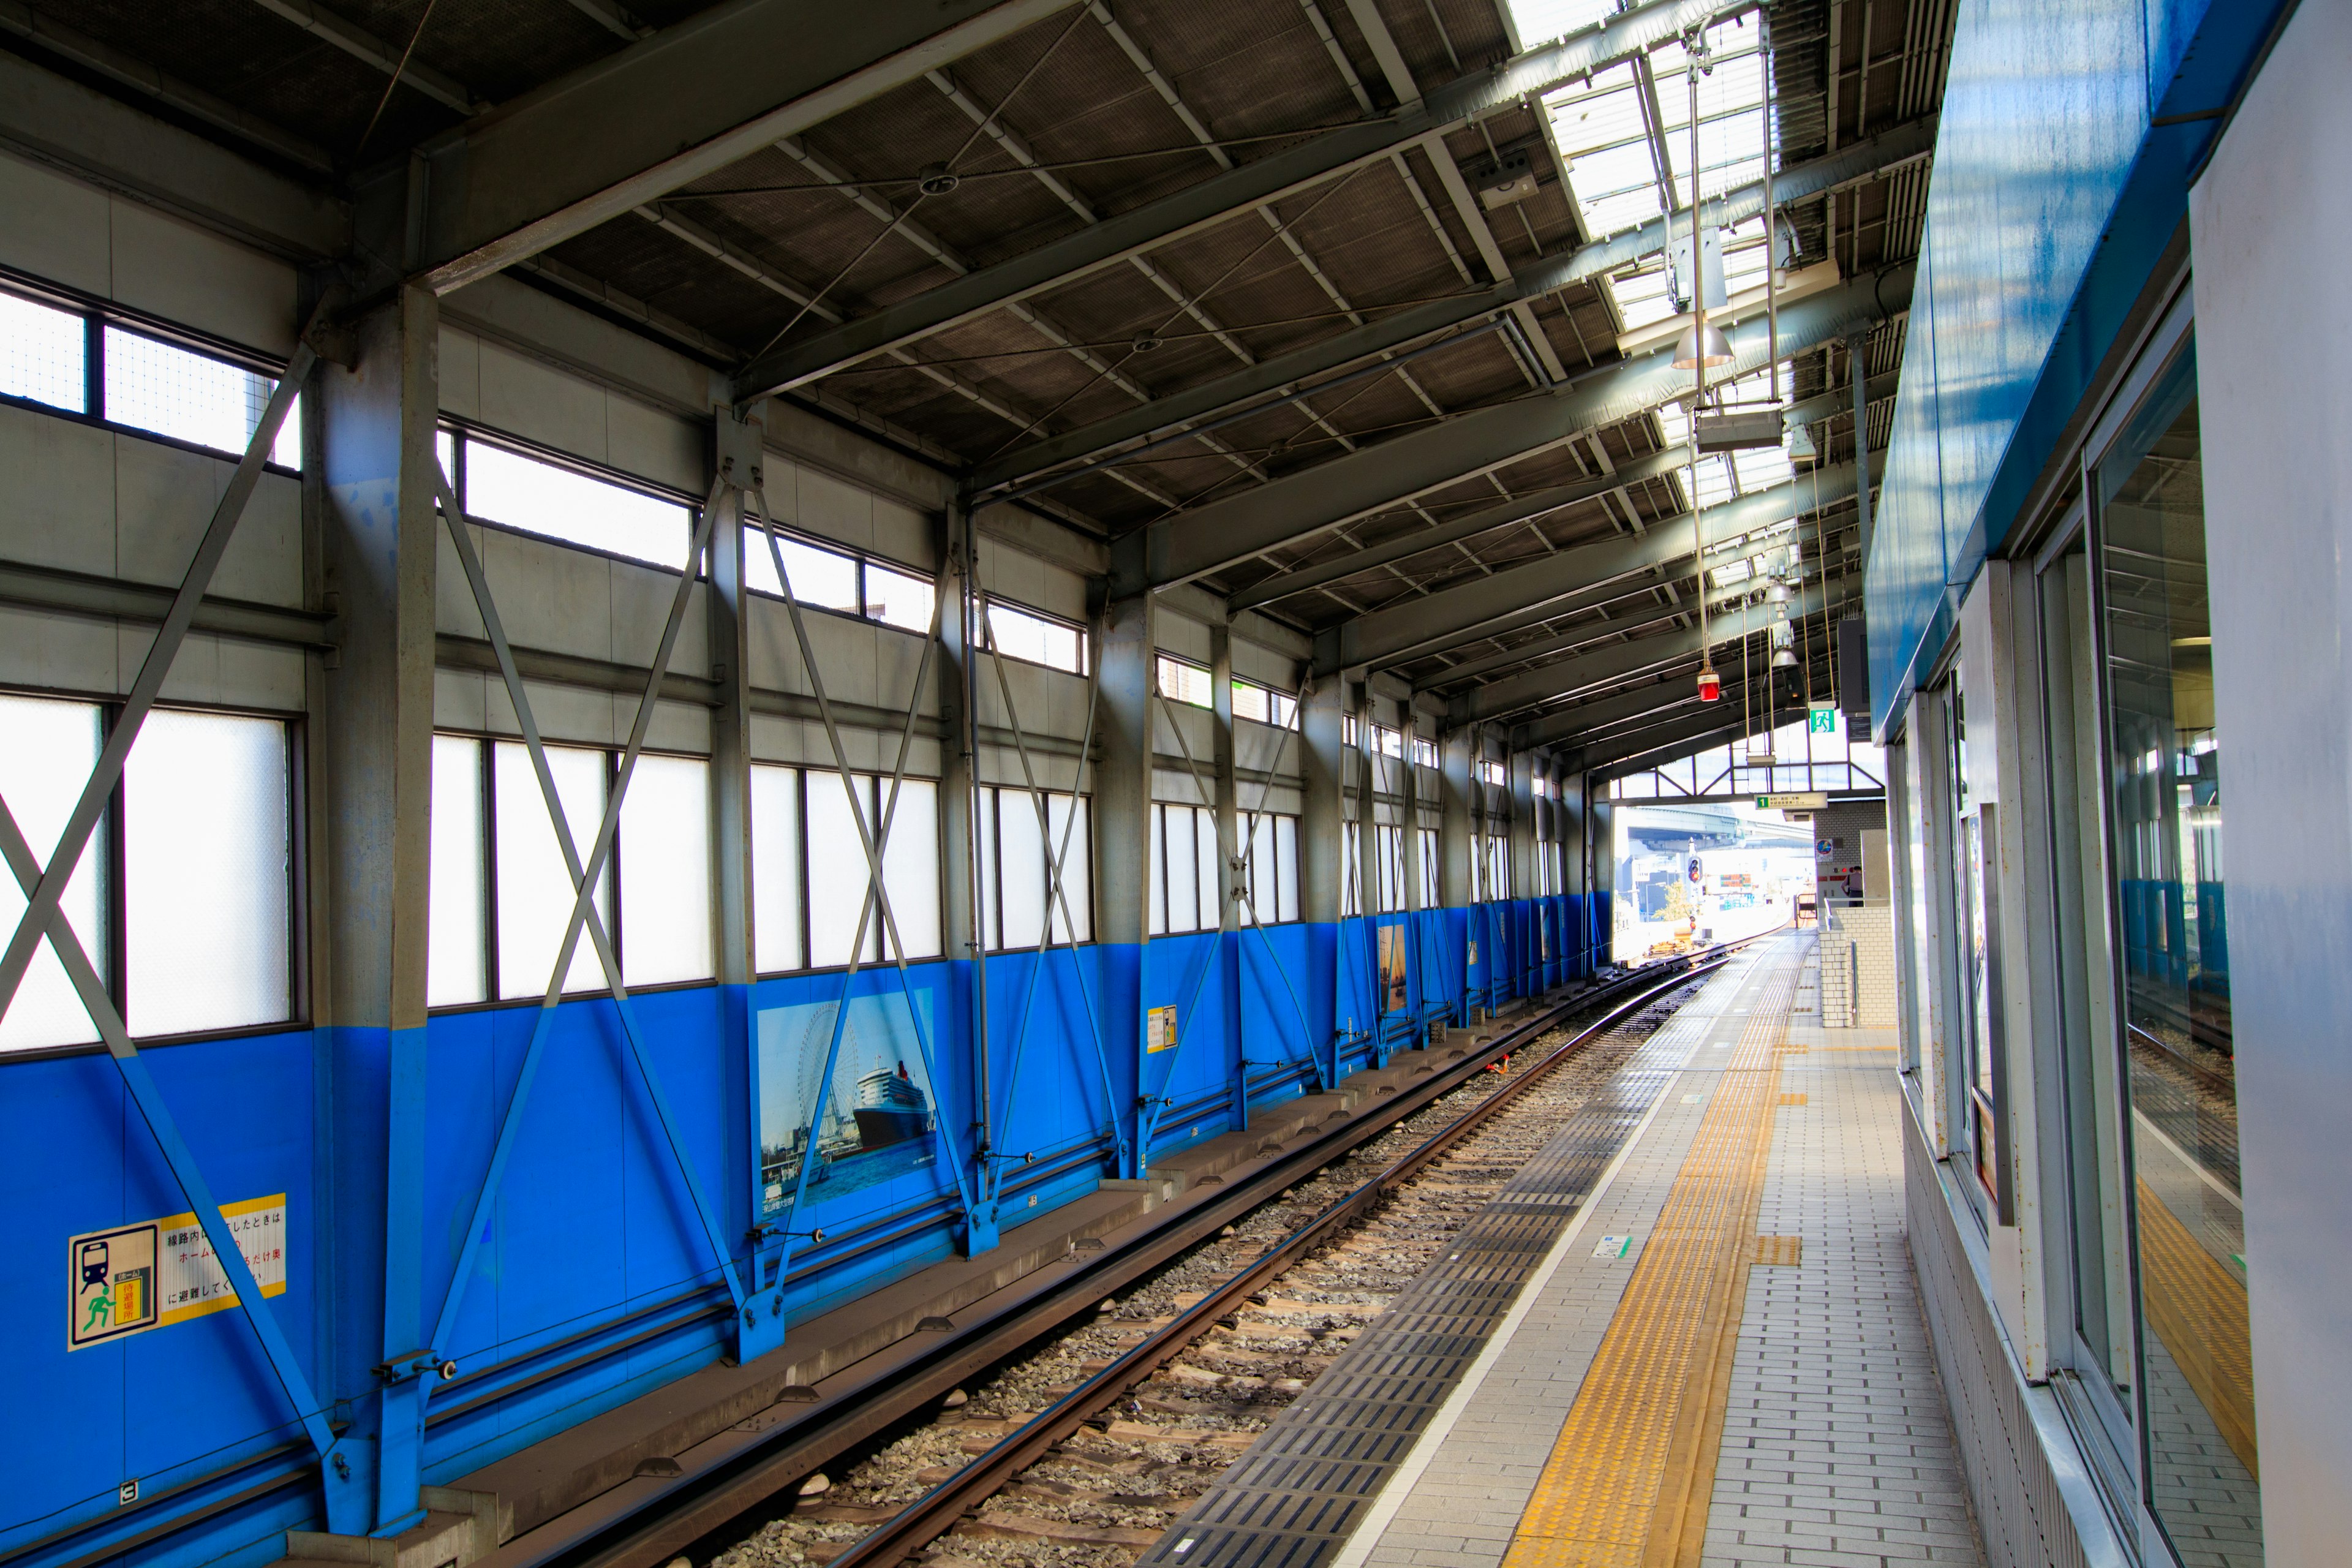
(1083, 1447)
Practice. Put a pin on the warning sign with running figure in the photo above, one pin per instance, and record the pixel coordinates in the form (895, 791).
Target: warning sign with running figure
(157, 1272)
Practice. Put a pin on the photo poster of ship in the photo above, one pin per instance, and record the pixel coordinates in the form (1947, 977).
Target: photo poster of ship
(879, 1109)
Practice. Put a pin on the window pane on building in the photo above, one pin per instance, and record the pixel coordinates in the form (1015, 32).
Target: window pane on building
(910, 865)
(454, 951)
(206, 871)
(534, 885)
(664, 849)
(897, 598)
(44, 354)
(51, 748)
(1286, 856)
(1021, 856)
(2165, 785)
(193, 397)
(1207, 881)
(838, 875)
(1077, 866)
(776, 869)
(1017, 634)
(825, 579)
(1183, 873)
(522, 492)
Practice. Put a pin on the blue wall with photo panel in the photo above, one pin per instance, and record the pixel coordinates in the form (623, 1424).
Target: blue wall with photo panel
(2066, 143)
(593, 1283)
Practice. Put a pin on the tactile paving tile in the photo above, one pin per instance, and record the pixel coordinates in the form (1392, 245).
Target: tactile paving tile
(1294, 1498)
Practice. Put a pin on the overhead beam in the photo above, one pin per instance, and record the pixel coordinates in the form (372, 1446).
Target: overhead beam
(1614, 661)
(1510, 514)
(1839, 401)
(639, 123)
(1561, 584)
(1400, 327)
(1221, 195)
(1303, 504)
(1673, 695)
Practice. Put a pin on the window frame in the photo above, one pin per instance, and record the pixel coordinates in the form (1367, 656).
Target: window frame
(110, 840)
(98, 314)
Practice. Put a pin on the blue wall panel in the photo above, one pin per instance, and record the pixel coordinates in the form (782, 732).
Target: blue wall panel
(593, 1240)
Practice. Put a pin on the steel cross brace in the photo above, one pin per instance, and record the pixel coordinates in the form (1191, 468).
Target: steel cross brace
(1057, 897)
(345, 1484)
(785, 1231)
(1157, 1105)
(583, 915)
(980, 1227)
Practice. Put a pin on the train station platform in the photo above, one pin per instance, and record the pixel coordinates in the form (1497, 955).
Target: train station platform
(1708, 1348)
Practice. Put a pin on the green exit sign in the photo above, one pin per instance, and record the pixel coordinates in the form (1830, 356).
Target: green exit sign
(1822, 721)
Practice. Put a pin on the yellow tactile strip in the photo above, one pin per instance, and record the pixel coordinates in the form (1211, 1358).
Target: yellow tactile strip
(2199, 1310)
(1629, 1477)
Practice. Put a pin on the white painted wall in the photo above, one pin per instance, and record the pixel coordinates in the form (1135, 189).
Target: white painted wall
(2268, 232)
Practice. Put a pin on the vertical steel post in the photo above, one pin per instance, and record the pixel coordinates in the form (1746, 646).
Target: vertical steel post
(1123, 832)
(964, 926)
(1232, 850)
(1458, 844)
(1858, 365)
(1322, 858)
(380, 549)
(1524, 852)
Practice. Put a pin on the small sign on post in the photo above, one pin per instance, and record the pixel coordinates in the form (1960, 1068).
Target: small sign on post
(1817, 800)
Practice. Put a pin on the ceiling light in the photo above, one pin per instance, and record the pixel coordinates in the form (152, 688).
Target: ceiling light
(1710, 684)
(1686, 354)
(1799, 443)
(937, 180)
(1784, 659)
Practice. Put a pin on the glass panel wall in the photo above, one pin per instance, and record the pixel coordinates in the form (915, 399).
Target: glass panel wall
(2166, 885)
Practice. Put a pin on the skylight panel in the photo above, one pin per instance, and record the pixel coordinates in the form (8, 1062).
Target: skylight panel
(1760, 467)
(1641, 298)
(1541, 21)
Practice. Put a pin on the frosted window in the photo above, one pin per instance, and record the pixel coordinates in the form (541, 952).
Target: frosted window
(837, 873)
(1022, 854)
(1156, 906)
(1351, 855)
(43, 355)
(910, 866)
(50, 749)
(172, 391)
(1205, 840)
(1017, 634)
(535, 894)
(1263, 878)
(1077, 866)
(775, 868)
(1285, 856)
(454, 935)
(522, 492)
(1183, 871)
(896, 599)
(821, 578)
(207, 890)
(984, 831)
(664, 849)
(1187, 683)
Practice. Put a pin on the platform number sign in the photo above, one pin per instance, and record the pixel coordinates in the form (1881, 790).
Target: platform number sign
(158, 1272)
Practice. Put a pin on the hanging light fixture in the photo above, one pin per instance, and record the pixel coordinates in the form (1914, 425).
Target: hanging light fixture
(1784, 657)
(1686, 348)
(1710, 684)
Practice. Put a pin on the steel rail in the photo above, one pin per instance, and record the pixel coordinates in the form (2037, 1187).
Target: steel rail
(938, 1511)
(650, 1537)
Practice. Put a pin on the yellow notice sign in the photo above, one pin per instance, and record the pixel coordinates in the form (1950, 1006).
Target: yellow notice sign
(146, 1276)
(1160, 1029)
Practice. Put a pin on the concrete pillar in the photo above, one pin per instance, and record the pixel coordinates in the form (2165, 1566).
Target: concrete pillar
(737, 450)
(1321, 850)
(1123, 831)
(373, 749)
(1456, 840)
(960, 927)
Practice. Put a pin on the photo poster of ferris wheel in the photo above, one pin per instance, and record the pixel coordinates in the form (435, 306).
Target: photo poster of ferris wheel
(879, 1109)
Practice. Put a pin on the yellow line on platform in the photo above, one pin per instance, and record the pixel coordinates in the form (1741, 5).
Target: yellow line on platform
(1629, 1477)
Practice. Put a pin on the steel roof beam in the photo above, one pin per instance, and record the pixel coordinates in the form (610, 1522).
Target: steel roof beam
(1516, 510)
(1300, 505)
(1398, 328)
(1561, 584)
(1610, 717)
(1223, 195)
(1615, 662)
(625, 130)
